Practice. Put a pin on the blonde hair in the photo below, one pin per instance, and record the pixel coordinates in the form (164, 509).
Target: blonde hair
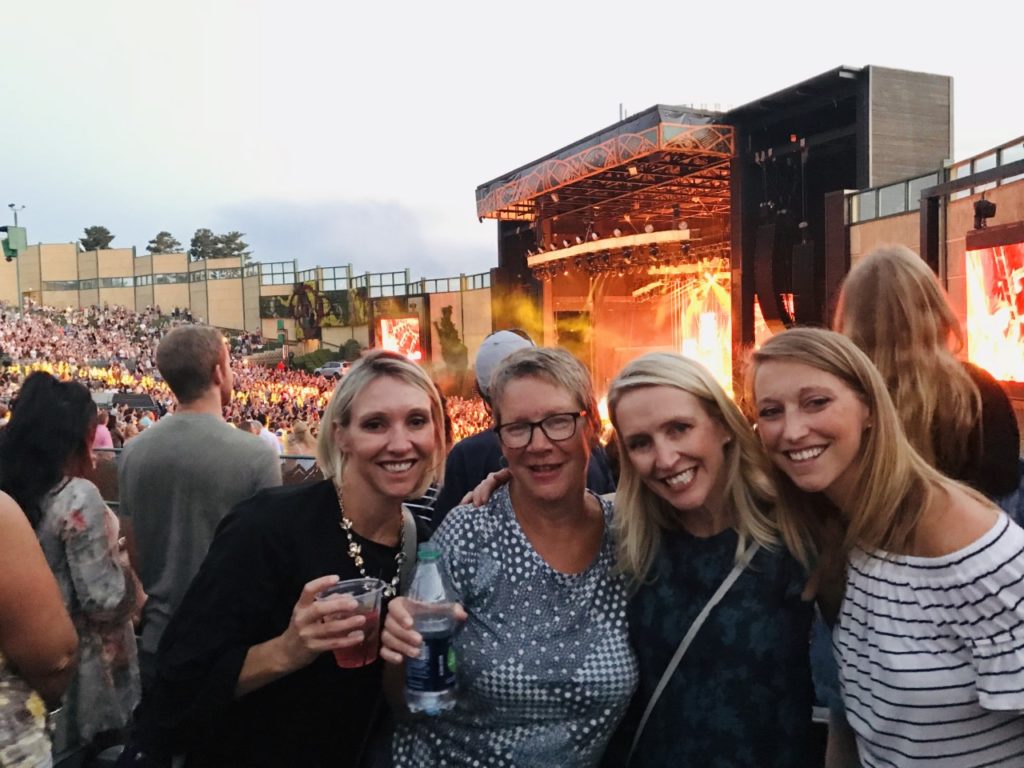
(641, 514)
(551, 364)
(892, 306)
(895, 485)
(299, 436)
(338, 414)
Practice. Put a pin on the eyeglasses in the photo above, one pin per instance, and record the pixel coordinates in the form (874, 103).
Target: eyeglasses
(556, 427)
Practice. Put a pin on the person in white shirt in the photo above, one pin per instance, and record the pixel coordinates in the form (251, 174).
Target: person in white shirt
(930, 635)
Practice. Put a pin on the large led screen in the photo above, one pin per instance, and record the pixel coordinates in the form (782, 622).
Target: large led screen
(995, 310)
(401, 335)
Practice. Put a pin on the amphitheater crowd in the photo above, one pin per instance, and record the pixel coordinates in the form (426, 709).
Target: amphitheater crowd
(114, 349)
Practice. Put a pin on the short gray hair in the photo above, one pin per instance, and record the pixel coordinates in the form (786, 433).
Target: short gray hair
(552, 364)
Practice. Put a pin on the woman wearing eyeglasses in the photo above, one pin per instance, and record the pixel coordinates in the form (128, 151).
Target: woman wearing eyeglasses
(544, 665)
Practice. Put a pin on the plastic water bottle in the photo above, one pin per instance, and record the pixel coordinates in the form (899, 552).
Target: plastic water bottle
(430, 678)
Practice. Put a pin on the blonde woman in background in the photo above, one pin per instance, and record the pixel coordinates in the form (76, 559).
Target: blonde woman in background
(300, 443)
(954, 413)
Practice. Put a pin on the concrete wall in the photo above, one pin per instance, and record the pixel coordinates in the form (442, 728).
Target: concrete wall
(9, 281)
(170, 262)
(28, 270)
(116, 262)
(251, 303)
(338, 336)
(59, 261)
(124, 297)
(88, 269)
(892, 230)
(911, 124)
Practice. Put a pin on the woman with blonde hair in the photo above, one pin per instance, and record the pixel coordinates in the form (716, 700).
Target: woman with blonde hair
(300, 443)
(696, 507)
(954, 413)
(246, 676)
(930, 638)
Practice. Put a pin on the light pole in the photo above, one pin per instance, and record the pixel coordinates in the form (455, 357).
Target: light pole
(14, 209)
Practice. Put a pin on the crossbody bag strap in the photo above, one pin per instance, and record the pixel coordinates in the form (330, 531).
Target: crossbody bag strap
(409, 548)
(737, 569)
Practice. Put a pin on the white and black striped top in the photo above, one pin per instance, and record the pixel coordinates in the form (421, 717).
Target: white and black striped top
(931, 654)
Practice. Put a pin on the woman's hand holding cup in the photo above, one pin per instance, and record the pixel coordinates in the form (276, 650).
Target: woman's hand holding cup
(317, 626)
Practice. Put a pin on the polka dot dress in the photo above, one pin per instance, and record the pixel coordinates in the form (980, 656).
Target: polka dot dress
(544, 663)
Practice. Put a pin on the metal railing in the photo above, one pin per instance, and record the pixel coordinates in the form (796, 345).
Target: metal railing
(294, 470)
(905, 196)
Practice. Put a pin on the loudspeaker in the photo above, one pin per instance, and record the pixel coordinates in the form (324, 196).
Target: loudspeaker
(767, 252)
(806, 305)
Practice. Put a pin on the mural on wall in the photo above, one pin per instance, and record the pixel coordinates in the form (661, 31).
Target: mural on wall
(454, 351)
(314, 309)
(358, 306)
(272, 307)
(338, 315)
(308, 307)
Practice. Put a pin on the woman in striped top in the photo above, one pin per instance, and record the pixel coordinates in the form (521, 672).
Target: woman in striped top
(930, 637)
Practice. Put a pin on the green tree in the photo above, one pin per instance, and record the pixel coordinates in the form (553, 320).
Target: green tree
(232, 244)
(203, 245)
(351, 350)
(96, 238)
(164, 242)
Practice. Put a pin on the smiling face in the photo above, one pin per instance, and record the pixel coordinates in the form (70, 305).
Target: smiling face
(544, 470)
(389, 441)
(675, 446)
(812, 425)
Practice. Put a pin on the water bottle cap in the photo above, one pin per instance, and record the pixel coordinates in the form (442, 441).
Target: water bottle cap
(428, 552)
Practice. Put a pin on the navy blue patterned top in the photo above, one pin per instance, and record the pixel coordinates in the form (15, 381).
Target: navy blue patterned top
(742, 694)
(544, 664)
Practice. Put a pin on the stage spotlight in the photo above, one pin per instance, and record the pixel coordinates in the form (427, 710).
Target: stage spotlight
(683, 226)
(565, 272)
(617, 232)
(554, 197)
(579, 240)
(594, 235)
(633, 170)
(565, 243)
(648, 228)
(551, 247)
(983, 211)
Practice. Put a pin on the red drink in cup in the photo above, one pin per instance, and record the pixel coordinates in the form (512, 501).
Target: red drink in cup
(367, 593)
(366, 652)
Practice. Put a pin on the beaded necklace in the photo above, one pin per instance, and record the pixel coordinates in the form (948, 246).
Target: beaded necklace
(355, 549)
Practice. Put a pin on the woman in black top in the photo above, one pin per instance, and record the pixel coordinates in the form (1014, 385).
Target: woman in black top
(245, 677)
(954, 414)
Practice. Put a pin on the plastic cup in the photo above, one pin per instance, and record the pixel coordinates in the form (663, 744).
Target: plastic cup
(367, 594)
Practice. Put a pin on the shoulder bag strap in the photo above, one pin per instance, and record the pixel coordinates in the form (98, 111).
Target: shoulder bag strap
(737, 569)
(409, 547)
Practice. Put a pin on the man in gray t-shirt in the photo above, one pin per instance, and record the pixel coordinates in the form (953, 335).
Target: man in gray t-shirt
(180, 477)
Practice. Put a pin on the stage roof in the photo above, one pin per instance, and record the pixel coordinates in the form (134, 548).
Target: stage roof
(820, 90)
(667, 160)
